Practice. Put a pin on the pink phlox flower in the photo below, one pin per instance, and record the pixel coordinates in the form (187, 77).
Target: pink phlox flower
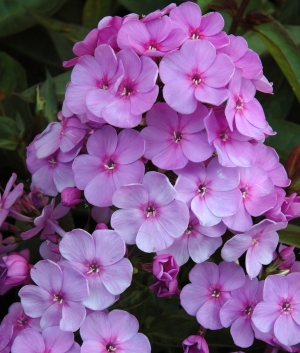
(268, 158)
(85, 47)
(233, 149)
(136, 92)
(6, 331)
(280, 309)
(243, 58)
(257, 197)
(173, 139)
(197, 242)
(243, 109)
(209, 290)
(116, 331)
(70, 197)
(263, 85)
(47, 221)
(275, 213)
(260, 242)
(154, 38)
(100, 258)
(287, 259)
(19, 322)
(149, 217)
(52, 339)
(291, 206)
(9, 198)
(195, 73)
(112, 161)
(17, 270)
(64, 136)
(238, 310)
(195, 344)
(57, 298)
(211, 192)
(165, 267)
(188, 17)
(101, 74)
(158, 13)
(48, 251)
(164, 289)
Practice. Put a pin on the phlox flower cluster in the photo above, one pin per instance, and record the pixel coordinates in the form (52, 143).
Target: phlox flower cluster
(160, 132)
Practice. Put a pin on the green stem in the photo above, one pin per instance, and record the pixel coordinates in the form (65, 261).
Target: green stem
(237, 18)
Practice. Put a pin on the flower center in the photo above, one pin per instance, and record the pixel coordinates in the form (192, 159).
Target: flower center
(150, 211)
(189, 229)
(195, 34)
(127, 90)
(244, 191)
(152, 47)
(110, 164)
(248, 310)
(215, 293)
(22, 321)
(202, 190)
(52, 160)
(110, 348)
(94, 268)
(196, 79)
(223, 136)
(177, 136)
(58, 298)
(239, 104)
(286, 307)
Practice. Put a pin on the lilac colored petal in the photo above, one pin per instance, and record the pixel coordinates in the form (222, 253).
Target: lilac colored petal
(253, 266)
(231, 311)
(52, 316)
(245, 159)
(103, 142)
(73, 315)
(124, 326)
(130, 196)
(265, 314)
(137, 344)
(219, 73)
(205, 274)
(96, 327)
(159, 188)
(6, 331)
(186, 189)
(235, 247)
(147, 78)
(175, 38)
(211, 95)
(216, 231)
(179, 250)
(130, 146)
(279, 176)
(236, 49)
(57, 340)
(35, 300)
(104, 182)
(130, 60)
(77, 246)
(103, 240)
(209, 314)
(99, 298)
(76, 98)
(75, 348)
(211, 23)
(30, 233)
(128, 173)
(138, 34)
(49, 142)
(98, 99)
(250, 64)
(231, 276)
(256, 206)
(246, 128)
(86, 71)
(266, 247)
(140, 102)
(223, 203)
(242, 332)
(203, 213)
(201, 49)
(254, 113)
(85, 169)
(60, 211)
(286, 330)
(220, 178)
(93, 347)
(248, 90)
(218, 40)
(152, 236)
(275, 288)
(74, 287)
(43, 180)
(63, 176)
(201, 247)
(187, 15)
(133, 219)
(171, 158)
(162, 117)
(47, 275)
(192, 297)
(194, 122)
(107, 60)
(159, 28)
(196, 147)
(157, 141)
(175, 226)
(240, 221)
(294, 286)
(29, 341)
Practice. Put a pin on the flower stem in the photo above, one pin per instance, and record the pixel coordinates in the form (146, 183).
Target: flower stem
(236, 19)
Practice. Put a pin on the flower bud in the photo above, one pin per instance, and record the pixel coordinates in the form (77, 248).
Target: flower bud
(195, 344)
(70, 197)
(17, 269)
(101, 226)
(165, 267)
(164, 289)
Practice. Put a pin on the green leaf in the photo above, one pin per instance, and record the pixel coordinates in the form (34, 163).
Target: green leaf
(204, 5)
(94, 10)
(71, 31)
(48, 95)
(290, 235)
(14, 17)
(284, 50)
(145, 6)
(8, 134)
(287, 138)
(60, 82)
(294, 32)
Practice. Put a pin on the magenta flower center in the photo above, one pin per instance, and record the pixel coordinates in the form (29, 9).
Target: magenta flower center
(286, 307)
(93, 268)
(110, 347)
(202, 190)
(150, 211)
(196, 79)
(215, 293)
(239, 103)
(103, 84)
(152, 46)
(58, 298)
(248, 311)
(177, 136)
(127, 89)
(189, 229)
(223, 136)
(195, 34)
(22, 321)
(110, 164)
(244, 191)
(52, 160)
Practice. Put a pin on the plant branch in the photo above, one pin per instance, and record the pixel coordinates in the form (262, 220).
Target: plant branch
(237, 18)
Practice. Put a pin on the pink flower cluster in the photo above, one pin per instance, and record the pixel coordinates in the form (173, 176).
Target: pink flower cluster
(161, 131)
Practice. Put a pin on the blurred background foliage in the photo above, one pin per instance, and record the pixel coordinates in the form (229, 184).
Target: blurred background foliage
(37, 35)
